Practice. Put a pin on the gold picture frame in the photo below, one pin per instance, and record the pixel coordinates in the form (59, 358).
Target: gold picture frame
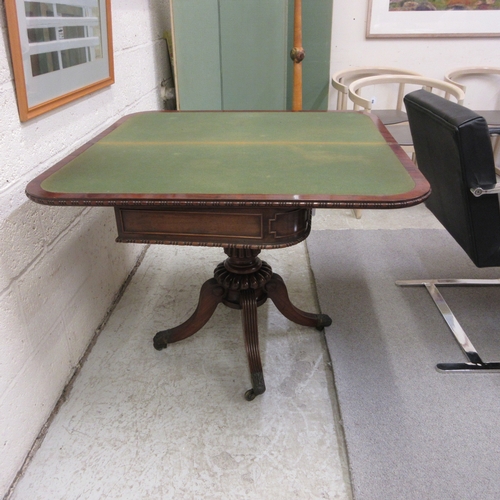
(61, 51)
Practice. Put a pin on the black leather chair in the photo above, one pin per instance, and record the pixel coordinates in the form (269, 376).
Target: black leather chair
(454, 152)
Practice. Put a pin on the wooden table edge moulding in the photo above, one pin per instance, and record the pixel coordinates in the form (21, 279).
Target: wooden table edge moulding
(242, 224)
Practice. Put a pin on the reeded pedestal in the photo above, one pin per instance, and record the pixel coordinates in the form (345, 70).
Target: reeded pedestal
(243, 282)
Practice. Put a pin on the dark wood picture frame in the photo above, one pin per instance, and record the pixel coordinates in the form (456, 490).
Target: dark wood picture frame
(58, 57)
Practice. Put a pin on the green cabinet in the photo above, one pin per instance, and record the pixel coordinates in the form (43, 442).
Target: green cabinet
(234, 54)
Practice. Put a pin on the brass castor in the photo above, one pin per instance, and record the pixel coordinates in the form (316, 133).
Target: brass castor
(160, 340)
(250, 395)
(323, 320)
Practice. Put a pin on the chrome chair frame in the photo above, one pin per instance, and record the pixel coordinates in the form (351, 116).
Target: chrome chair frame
(475, 362)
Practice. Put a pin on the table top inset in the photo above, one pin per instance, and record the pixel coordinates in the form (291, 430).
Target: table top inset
(307, 159)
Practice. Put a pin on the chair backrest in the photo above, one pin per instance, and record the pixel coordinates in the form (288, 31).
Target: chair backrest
(453, 150)
(453, 75)
(426, 83)
(341, 79)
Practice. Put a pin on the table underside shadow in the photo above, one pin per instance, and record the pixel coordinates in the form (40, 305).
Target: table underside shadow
(243, 282)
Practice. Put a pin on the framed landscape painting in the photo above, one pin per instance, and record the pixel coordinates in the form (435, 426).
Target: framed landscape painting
(61, 50)
(433, 18)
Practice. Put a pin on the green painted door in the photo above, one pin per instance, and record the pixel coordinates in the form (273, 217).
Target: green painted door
(234, 54)
(253, 41)
(197, 54)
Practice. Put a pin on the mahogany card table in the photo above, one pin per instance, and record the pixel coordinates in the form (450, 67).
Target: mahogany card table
(243, 181)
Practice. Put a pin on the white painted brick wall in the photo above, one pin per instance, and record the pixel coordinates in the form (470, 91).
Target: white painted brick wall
(60, 268)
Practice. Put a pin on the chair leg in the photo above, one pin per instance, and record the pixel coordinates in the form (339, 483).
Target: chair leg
(357, 213)
(475, 362)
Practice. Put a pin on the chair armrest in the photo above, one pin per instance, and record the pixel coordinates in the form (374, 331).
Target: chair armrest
(478, 191)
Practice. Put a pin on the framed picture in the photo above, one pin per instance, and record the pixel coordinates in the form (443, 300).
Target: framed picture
(61, 50)
(433, 18)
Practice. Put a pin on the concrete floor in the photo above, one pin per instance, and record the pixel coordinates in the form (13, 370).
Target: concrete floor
(144, 424)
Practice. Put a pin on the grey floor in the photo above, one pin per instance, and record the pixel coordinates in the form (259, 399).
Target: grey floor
(143, 424)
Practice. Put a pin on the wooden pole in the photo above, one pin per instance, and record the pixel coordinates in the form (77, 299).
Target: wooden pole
(297, 54)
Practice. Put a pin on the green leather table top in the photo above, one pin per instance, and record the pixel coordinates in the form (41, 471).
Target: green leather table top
(199, 155)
